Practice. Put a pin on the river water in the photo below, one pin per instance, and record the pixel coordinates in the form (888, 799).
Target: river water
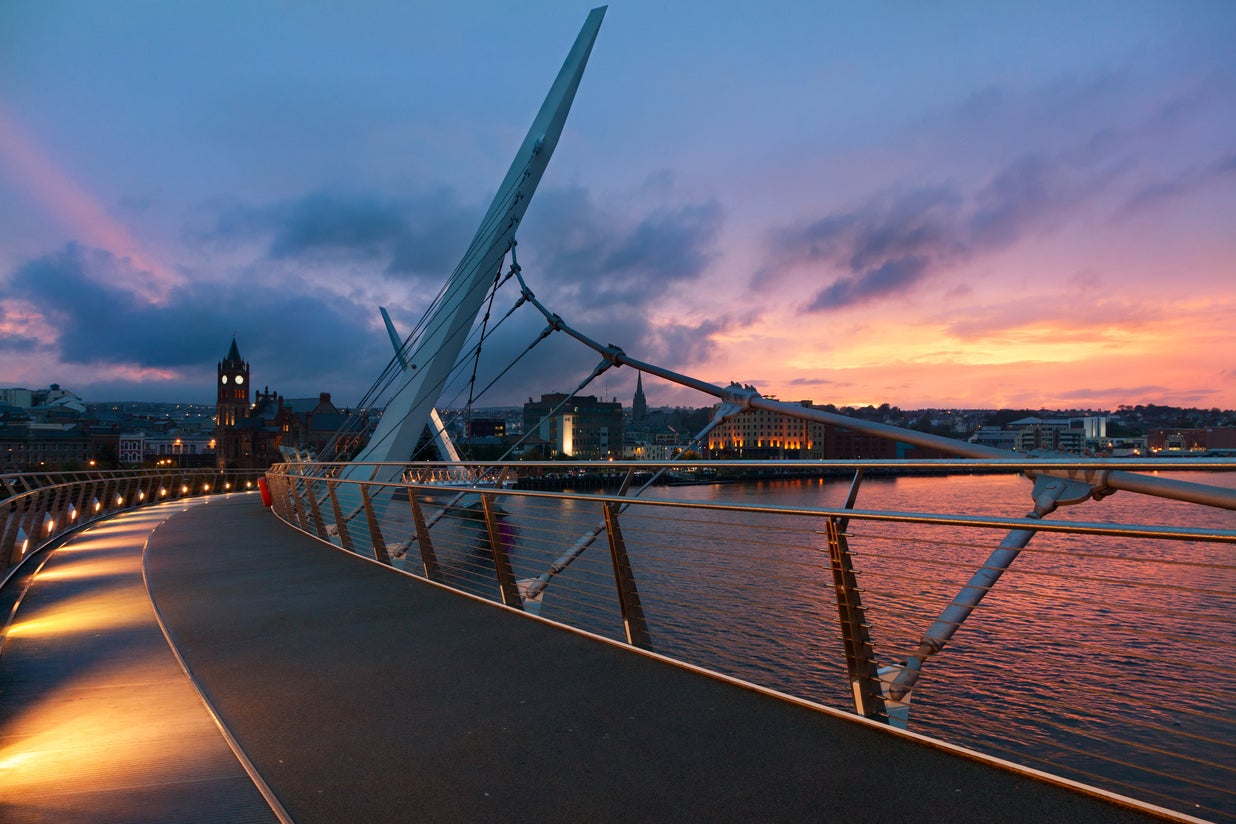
(1110, 660)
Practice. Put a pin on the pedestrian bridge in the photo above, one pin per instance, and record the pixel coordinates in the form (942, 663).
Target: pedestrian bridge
(200, 660)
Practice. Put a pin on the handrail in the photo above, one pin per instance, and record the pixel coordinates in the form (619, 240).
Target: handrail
(38, 509)
(723, 584)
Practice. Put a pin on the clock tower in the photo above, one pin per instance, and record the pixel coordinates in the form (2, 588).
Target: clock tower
(233, 387)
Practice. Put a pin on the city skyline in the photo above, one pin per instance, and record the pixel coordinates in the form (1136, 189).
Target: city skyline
(964, 207)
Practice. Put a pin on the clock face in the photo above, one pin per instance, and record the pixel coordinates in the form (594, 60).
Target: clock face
(240, 378)
(223, 379)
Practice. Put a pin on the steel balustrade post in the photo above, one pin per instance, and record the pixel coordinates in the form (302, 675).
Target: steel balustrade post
(90, 490)
(345, 537)
(855, 631)
(30, 521)
(301, 493)
(130, 493)
(429, 559)
(100, 497)
(50, 514)
(75, 505)
(59, 509)
(380, 551)
(502, 562)
(291, 501)
(314, 509)
(633, 620)
(8, 536)
(296, 505)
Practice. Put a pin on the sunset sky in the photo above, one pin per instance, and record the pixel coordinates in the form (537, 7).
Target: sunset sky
(963, 204)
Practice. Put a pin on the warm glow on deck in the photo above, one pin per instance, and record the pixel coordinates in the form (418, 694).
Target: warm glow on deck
(95, 568)
(121, 716)
(88, 613)
(66, 734)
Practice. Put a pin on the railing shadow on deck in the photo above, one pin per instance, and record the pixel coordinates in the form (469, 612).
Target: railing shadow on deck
(1104, 655)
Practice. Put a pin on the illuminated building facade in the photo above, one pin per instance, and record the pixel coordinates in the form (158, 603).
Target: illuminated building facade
(583, 428)
(759, 434)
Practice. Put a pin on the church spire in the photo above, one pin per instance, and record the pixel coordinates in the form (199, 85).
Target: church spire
(233, 354)
(639, 406)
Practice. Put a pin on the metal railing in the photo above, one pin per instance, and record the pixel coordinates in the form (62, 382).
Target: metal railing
(1105, 654)
(38, 509)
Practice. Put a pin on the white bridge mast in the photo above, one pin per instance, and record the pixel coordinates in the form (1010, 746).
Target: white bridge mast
(443, 334)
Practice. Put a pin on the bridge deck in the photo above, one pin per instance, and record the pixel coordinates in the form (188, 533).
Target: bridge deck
(97, 719)
(362, 695)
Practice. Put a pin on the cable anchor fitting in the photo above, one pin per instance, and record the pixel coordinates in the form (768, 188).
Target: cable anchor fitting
(739, 395)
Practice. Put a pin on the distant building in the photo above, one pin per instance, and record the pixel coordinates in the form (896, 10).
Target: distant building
(246, 436)
(18, 397)
(996, 437)
(249, 435)
(30, 446)
(1192, 440)
(313, 426)
(582, 427)
(51, 398)
(761, 434)
(1077, 435)
(486, 428)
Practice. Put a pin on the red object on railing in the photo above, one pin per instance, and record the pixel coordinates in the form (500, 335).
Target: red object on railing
(264, 489)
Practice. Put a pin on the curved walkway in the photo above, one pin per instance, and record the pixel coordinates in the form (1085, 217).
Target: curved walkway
(363, 695)
(359, 694)
(98, 722)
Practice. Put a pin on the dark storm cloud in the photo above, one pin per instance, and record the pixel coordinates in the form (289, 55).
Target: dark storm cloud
(603, 271)
(1095, 147)
(295, 332)
(1020, 195)
(597, 257)
(896, 241)
(99, 323)
(361, 225)
(18, 343)
(890, 277)
(424, 234)
(684, 344)
(886, 245)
